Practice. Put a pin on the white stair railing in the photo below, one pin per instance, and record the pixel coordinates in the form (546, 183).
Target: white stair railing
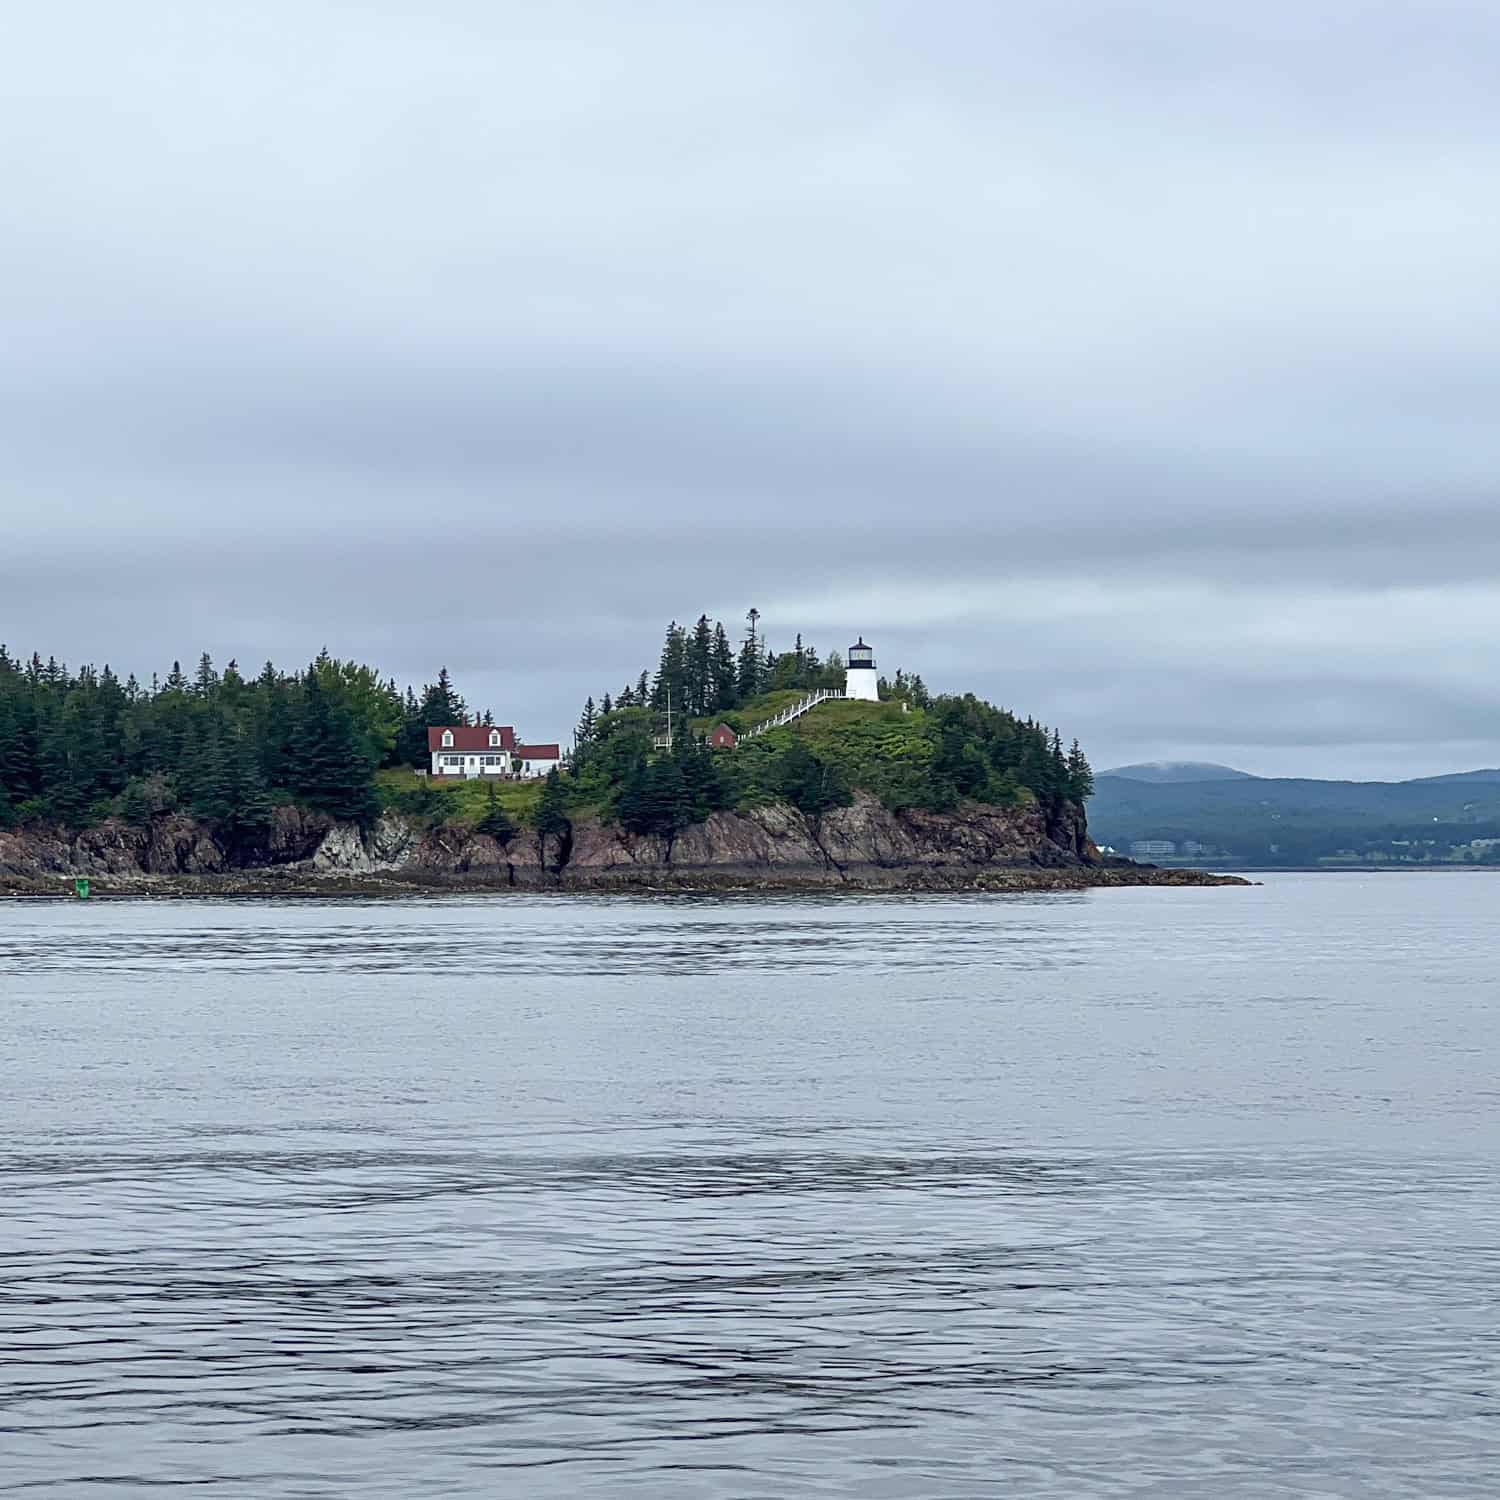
(813, 699)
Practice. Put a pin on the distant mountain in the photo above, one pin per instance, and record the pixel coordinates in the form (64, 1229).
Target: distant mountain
(1454, 776)
(1249, 820)
(1162, 771)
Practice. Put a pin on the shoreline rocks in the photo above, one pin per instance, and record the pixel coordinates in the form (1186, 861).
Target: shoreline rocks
(863, 847)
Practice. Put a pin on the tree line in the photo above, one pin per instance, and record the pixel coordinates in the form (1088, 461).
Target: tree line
(77, 747)
(699, 672)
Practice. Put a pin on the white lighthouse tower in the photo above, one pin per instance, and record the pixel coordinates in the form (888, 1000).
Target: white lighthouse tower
(860, 679)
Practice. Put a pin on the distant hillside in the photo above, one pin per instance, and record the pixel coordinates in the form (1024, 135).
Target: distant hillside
(1178, 770)
(1491, 775)
(1273, 821)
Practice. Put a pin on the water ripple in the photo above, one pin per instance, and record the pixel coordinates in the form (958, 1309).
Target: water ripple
(437, 1200)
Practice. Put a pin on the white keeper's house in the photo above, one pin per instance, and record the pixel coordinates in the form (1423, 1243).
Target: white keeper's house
(472, 750)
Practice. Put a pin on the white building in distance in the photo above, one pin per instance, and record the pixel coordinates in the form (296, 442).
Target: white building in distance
(472, 750)
(861, 681)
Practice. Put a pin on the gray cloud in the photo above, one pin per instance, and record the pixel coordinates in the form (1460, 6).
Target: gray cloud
(1131, 366)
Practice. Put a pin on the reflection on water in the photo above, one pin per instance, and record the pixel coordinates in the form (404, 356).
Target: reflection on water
(616, 937)
(1142, 1193)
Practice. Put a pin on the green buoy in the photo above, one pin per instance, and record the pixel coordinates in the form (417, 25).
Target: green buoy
(81, 889)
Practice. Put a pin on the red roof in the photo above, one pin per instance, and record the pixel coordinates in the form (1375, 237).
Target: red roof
(471, 737)
(539, 752)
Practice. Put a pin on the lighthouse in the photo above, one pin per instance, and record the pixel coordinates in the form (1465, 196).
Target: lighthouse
(860, 680)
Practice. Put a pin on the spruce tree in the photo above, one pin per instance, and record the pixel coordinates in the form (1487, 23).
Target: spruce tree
(551, 819)
(811, 785)
(206, 683)
(205, 784)
(250, 810)
(441, 704)
(1080, 775)
(722, 668)
(702, 692)
(671, 685)
(332, 774)
(583, 735)
(411, 739)
(496, 822)
(704, 787)
(748, 672)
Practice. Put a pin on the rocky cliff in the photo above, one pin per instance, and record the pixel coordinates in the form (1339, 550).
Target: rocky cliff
(864, 845)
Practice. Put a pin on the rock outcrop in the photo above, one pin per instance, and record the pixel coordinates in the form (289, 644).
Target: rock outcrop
(344, 850)
(175, 844)
(864, 845)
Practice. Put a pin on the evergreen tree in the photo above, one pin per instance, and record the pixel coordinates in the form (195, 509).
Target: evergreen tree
(206, 684)
(411, 741)
(551, 820)
(748, 672)
(583, 735)
(250, 811)
(496, 822)
(1057, 768)
(811, 785)
(441, 705)
(672, 679)
(655, 800)
(702, 692)
(722, 670)
(1080, 776)
(11, 787)
(704, 788)
(331, 771)
(205, 783)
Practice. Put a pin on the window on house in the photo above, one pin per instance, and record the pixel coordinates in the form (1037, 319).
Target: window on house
(494, 736)
(447, 736)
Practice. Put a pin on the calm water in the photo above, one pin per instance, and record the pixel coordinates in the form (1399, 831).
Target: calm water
(1130, 1193)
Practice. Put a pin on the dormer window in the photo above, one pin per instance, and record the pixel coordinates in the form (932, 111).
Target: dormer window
(494, 737)
(447, 737)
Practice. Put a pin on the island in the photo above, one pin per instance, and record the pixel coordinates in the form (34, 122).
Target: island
(723, 769)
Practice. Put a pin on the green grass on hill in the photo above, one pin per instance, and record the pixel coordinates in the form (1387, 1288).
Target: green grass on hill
(880, 748)
(748, 715)
(453, 799)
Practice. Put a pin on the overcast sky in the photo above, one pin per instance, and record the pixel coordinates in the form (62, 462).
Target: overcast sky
(1135, 365)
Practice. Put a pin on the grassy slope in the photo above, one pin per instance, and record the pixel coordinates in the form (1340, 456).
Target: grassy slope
(756, 711)
(464, 800)
(879, 748)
